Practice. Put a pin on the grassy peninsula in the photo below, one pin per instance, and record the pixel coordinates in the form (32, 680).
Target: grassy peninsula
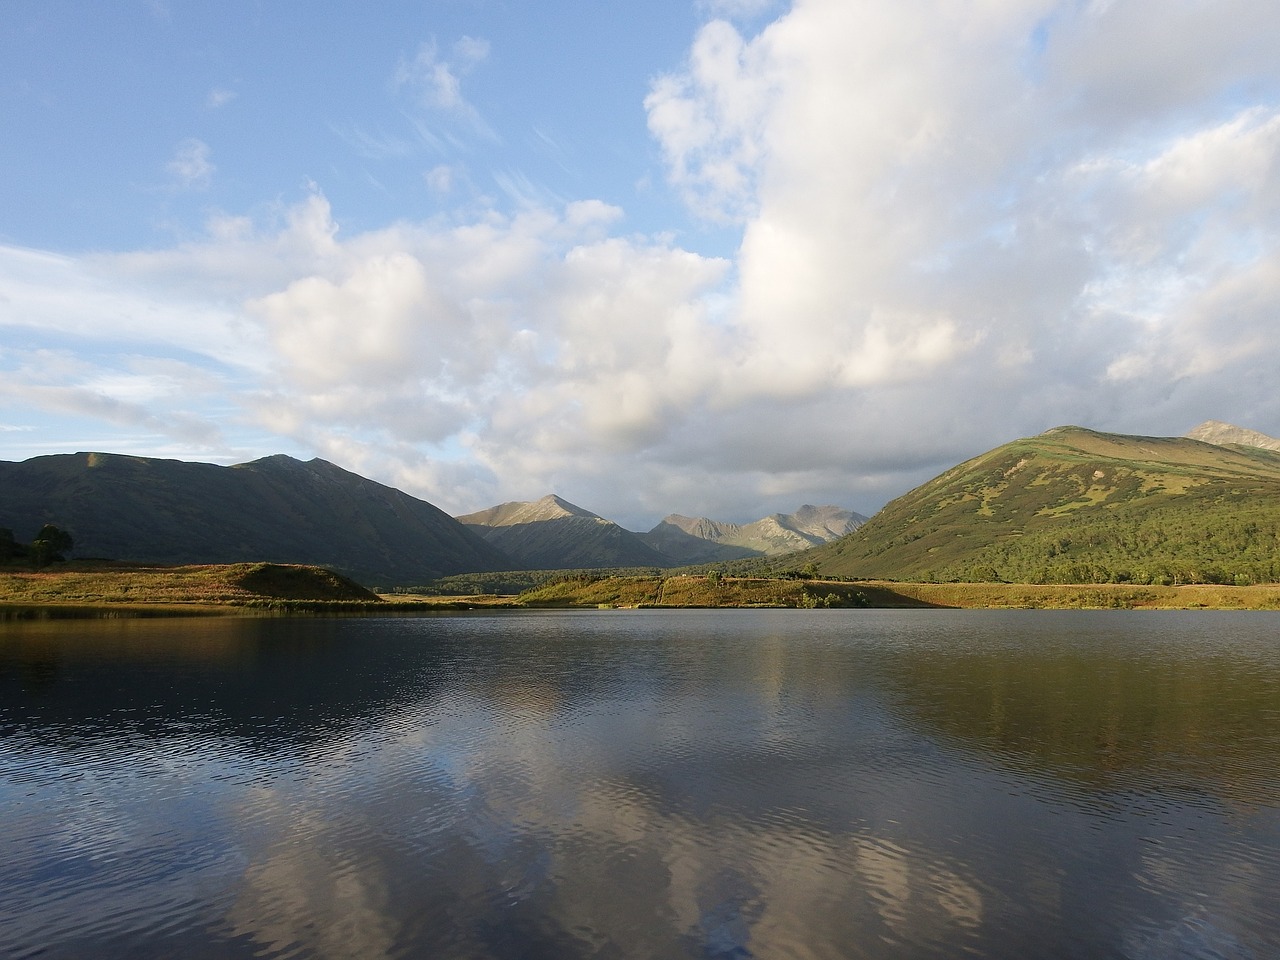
(103, 589)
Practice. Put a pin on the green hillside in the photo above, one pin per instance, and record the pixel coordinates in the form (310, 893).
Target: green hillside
(1077, 506)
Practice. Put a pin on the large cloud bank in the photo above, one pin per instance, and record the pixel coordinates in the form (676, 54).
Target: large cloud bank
(960, 223)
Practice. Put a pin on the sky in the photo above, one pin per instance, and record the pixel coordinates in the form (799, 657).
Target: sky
(715, 257)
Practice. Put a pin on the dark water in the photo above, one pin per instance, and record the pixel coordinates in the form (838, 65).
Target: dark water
(643, 784)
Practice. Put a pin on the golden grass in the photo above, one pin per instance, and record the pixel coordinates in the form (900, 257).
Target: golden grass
(409, 602)
(701, 591)
(239, 584)
(694, 591)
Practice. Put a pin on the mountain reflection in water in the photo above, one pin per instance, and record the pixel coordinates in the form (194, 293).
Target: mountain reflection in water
(643, 784)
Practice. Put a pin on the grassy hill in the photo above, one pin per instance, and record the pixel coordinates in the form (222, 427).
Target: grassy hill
(1077, 506)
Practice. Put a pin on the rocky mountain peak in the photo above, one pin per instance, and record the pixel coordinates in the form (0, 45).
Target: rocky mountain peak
(550, 507)
(1220, 434)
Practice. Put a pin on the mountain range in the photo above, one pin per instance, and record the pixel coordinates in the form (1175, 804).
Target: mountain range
(280, 509)
(553, 534)
(703, 540)
(1068, 505)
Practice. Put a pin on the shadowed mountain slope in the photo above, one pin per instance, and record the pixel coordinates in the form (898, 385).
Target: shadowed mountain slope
(553, 534)
(674, 540)
(1073, 505)
(275, 509)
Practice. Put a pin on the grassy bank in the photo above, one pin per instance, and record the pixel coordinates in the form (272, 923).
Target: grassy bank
(132, 590)
(701, 591)
(693, 591)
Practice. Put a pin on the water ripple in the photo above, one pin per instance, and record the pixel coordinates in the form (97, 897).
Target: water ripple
(651, 786)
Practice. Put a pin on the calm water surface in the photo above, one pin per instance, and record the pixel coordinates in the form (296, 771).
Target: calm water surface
(658, 784)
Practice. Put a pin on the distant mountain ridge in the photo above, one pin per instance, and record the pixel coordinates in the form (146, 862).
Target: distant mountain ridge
(553, 534)
(275, 509)
(279, 509)
(703, 540)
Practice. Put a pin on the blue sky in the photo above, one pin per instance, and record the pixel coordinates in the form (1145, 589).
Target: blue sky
(716, 258)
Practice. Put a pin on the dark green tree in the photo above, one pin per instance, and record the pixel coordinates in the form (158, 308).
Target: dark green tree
(9, 548)
(50, 545)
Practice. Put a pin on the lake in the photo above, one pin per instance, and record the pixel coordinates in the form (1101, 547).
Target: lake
(665, 784)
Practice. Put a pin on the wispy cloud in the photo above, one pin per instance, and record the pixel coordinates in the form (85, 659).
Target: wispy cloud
(374, 146)
(435, 81)
(525, 192)
(440, 178)
(163, 407)
(191, 168)
(219, 97)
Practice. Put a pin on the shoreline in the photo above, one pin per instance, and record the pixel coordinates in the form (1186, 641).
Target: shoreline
(220, 591)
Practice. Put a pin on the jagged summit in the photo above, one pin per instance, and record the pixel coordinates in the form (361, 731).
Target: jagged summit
(554, 534)
(1221, 434)
(774, 535)
(550, 507)
(827, 522)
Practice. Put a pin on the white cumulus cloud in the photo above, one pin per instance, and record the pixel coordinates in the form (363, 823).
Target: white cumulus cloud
(987, 213)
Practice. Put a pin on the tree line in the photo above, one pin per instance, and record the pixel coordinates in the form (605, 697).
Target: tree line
(1233, 544)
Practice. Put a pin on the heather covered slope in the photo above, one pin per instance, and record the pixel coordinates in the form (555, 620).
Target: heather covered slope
(553, 534)
(1074, 505)
(276, 509)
